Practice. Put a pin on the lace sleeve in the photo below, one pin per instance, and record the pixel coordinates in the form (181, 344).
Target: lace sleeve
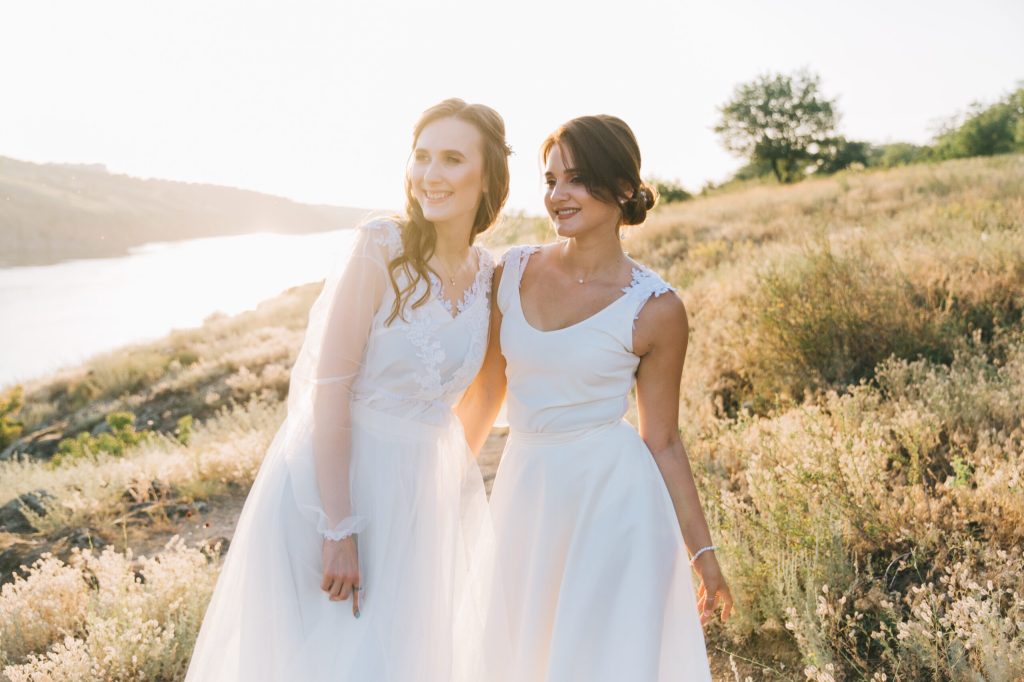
(320, 393)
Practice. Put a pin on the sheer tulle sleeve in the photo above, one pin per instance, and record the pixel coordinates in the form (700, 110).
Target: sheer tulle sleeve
(322, 380)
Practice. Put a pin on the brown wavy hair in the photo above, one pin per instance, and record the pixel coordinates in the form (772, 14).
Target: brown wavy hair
(419, 236)
(606, 155)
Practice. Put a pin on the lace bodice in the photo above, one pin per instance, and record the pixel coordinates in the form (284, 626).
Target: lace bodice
(576, 377)
(419, 366)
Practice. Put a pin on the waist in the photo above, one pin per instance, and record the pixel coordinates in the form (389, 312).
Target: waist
(400, 418)
(567, 436)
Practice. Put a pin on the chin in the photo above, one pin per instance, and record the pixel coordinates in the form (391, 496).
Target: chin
(569, 231)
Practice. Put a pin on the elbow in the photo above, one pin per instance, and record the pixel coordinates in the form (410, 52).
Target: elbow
(665, 446)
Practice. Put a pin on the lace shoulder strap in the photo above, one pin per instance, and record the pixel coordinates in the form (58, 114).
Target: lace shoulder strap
(386, 233)
(645, 284)
(486, 265)
(513, 262)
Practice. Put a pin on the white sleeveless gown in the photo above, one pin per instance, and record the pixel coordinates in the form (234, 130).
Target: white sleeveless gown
(423, 555)
(593, 566)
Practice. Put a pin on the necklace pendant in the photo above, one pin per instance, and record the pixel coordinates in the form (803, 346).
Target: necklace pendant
(580, 280)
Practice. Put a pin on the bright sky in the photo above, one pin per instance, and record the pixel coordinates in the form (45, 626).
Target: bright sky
(315, 100)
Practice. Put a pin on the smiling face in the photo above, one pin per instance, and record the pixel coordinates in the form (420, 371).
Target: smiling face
(446, 171)
(573, 209)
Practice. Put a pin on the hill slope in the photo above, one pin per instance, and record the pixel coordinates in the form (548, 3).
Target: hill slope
(53, 212)
(851, 403)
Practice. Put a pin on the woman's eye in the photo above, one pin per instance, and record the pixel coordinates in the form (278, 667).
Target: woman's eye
(576, 179)
(454, 159)
(550, 183)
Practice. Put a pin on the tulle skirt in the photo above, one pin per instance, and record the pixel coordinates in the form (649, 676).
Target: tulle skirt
(425, 561)
(592, 562)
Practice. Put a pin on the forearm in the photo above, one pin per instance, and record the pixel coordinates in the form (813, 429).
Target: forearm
(477, 411)
(675, 468)
(332, 443)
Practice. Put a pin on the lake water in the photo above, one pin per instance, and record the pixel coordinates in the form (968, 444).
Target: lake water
(58, 315)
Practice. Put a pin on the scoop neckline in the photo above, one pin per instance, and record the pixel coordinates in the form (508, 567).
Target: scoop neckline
(635, 272)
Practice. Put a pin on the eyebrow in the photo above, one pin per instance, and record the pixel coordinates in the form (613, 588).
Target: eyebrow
(443, 151)
(566, 171)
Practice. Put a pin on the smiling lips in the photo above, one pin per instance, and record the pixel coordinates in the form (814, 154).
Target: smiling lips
(436, 197)
(566, 212)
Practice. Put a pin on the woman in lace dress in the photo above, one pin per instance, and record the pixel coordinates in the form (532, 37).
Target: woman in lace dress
(362, 550)
(592, 519)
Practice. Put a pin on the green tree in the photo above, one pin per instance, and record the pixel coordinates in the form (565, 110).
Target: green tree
(986, 130)
(777, 120)
(669, 191)
(832, 156)
(902, 154)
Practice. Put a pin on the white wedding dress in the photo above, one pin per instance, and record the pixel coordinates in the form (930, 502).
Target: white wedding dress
(414, 494)
(592, 561)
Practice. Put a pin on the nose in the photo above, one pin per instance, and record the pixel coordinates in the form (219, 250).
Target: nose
(431, 172)
(557, 192)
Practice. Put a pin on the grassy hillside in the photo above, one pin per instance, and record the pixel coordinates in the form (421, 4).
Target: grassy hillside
(52, 212)
(852, 404)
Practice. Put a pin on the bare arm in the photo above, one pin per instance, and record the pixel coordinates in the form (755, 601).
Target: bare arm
(660, 340)
(480, 403)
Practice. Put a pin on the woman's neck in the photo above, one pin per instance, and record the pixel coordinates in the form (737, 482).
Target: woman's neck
(595, 252)
(453, 240)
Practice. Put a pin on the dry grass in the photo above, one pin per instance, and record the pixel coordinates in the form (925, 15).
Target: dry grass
(105, 616)
(223, 453)
(852, 403)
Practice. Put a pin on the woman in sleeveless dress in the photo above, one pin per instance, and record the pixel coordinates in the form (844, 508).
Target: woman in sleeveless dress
(592, 519)
(362, 550)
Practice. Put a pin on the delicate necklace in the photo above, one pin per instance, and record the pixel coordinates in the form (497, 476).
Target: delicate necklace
(448, 273)
(581, 280)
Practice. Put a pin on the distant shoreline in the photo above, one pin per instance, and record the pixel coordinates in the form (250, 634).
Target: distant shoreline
(53, 213)
(125, 250)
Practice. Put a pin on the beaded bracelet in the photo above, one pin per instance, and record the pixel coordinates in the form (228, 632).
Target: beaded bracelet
(709, 548)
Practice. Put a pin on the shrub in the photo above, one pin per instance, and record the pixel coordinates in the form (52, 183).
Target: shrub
(183, 432)
(669, 192)
(121, 436)
(111, 617)
(10, 405)
(824, 320)
(881, 528)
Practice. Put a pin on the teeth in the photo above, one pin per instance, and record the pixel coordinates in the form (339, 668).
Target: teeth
(435, 196)
(567, 212)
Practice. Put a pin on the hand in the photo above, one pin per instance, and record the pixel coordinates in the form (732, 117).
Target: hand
(341, 571)
(713, 589)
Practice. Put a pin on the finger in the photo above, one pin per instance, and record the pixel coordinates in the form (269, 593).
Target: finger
(325, 583)
(336, 588)
(726, 606)
(709, 605)
(356, 594)
(346, 590)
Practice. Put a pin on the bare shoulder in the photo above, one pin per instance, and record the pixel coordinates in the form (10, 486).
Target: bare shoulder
(662, 323)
